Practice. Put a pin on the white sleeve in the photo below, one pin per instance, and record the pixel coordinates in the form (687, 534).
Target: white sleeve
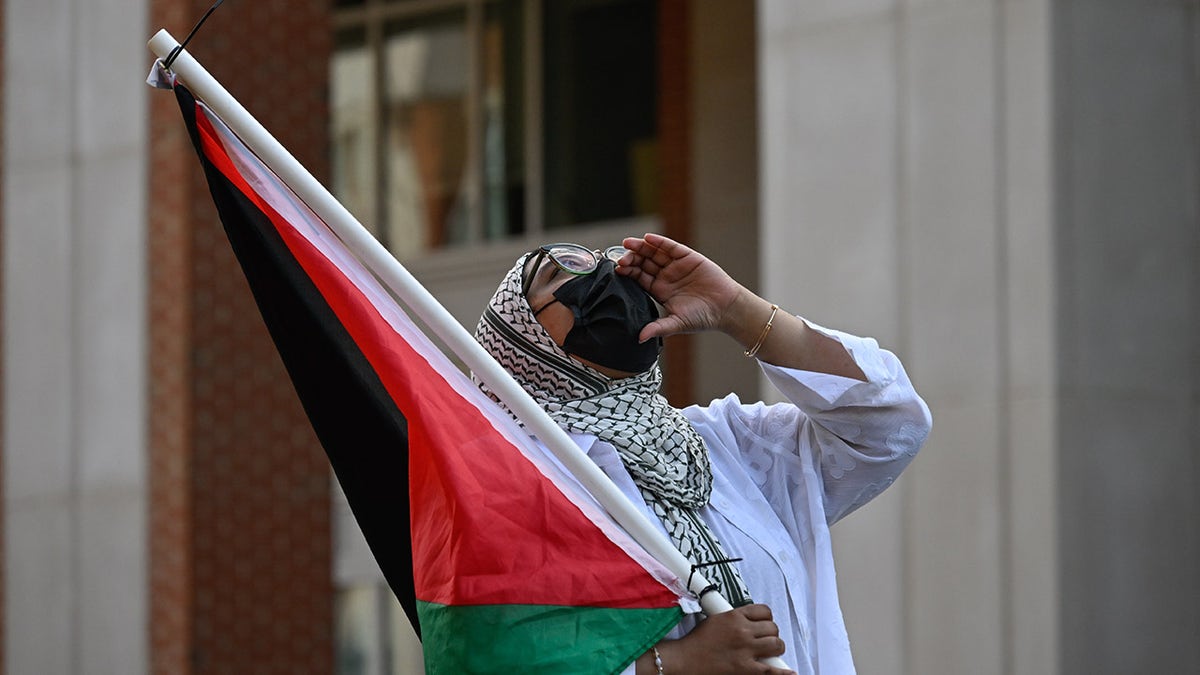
(862, 433)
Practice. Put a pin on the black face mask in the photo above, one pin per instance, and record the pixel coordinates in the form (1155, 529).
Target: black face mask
(610, 311)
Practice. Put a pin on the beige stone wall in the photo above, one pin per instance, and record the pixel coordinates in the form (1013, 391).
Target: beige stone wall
(74, 387)
(1127, 198)
(905, 195)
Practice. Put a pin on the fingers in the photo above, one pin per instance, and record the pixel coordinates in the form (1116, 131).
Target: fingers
(652, 252)
(656, 245)
(771, 646)
(659, 265)
(756, 612)
(695, 292)
(634, 266)
(637, 261)
(764, 629)
(644, 263)
(635, 272)
(736, 641)
(761, 620)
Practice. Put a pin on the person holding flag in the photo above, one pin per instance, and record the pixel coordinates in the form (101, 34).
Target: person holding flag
(746, 491)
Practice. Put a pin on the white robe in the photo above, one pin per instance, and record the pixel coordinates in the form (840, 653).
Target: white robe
(783, 473)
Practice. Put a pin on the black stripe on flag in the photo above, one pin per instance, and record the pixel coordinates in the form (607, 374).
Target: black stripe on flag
(364, 434)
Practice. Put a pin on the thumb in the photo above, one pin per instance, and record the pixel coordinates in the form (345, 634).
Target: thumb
(663, 327)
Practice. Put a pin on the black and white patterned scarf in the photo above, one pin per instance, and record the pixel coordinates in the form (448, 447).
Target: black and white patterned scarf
(664, 455)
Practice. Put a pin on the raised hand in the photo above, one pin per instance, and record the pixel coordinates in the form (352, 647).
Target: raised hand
(698, 295)
(694, 290)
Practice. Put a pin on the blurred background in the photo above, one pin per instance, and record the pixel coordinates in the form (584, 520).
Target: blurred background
(1003, 192)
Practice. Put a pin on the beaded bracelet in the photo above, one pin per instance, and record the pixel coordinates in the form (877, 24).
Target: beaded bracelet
(763, 336)
(657, 660)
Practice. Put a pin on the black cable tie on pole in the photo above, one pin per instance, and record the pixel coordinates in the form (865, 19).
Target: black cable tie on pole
(712, 586)
(179, 48)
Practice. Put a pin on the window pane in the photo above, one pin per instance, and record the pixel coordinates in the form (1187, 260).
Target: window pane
(352, 134)
(503, 120)
(360, 649)
(601, 110)
(405, 647)
(426, 74)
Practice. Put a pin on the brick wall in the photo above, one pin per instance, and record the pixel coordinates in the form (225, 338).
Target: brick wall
(674, 119)
(240, 551)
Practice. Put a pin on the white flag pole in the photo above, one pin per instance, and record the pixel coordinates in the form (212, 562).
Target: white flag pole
(440, 321)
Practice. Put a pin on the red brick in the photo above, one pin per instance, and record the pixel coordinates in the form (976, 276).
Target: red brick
(674, 137)
(233, 461)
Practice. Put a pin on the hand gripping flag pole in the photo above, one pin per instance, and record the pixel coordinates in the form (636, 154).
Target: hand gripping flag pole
(433, 314)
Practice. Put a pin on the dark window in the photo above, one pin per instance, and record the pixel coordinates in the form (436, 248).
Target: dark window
(450, 119)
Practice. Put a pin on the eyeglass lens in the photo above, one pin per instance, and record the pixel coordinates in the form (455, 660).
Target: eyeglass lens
(571, 258)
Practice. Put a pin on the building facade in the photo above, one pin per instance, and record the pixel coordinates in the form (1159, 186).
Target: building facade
(1004, 192)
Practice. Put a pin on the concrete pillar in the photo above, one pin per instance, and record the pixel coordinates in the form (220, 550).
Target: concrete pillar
(1127, 116)
(905, 195)
(74, 347)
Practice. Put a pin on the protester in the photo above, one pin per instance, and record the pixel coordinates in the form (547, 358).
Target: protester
(746, 490)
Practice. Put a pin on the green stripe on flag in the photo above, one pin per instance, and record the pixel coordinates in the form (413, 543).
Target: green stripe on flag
(538, 638)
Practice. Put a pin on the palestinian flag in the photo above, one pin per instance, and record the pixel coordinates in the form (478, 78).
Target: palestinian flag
(509, 565)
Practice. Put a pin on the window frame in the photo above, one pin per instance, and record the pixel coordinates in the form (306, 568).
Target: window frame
(372, 16)
(478, 256)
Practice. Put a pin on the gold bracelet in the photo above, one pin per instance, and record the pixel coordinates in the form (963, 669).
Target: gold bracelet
(657, 660)
(763, 336)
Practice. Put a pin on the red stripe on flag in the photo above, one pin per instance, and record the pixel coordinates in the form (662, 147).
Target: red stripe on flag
(488, 527)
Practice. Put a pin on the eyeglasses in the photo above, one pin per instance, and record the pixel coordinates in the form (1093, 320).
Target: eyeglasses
(570, 258)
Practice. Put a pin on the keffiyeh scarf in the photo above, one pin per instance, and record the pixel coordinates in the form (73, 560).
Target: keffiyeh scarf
(664, 455)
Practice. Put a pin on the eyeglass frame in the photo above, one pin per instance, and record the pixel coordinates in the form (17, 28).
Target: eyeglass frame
(544, 251)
